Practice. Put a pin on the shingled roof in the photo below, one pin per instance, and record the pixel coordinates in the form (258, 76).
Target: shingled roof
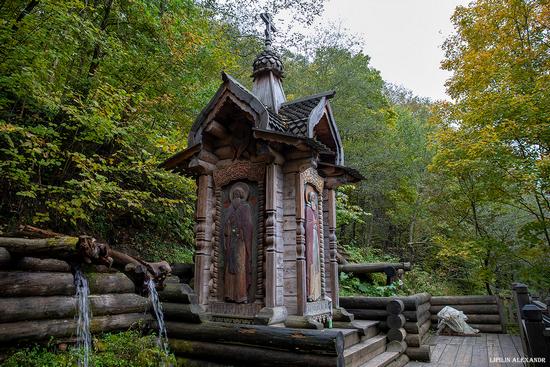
(295, 114)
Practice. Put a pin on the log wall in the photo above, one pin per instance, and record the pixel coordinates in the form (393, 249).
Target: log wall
(37, 299)
(415, 319)
(484, 312)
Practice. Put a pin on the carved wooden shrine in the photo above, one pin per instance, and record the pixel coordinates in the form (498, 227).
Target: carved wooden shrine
(266, 172)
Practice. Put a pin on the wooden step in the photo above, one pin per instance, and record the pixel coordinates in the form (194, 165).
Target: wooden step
(369, 328)
(382, 360)
(400, 361)
(351, 336)
(361, 352)
(366, 328)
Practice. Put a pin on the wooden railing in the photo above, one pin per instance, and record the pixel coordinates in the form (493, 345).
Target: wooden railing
(534, 325)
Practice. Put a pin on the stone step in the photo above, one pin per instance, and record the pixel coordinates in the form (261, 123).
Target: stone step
(367, 349)
(382, 360)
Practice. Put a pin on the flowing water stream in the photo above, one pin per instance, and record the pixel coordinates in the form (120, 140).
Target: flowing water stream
(162, 339)
(84, 313)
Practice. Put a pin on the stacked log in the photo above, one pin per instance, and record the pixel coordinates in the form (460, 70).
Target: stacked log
(179, 302)
(416, 314)
(372, 267)
(37, 295)
(82, 249)
(395, 321)
(256, 345)
(483, 312)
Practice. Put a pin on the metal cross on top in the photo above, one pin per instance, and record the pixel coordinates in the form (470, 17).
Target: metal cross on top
(269, 28)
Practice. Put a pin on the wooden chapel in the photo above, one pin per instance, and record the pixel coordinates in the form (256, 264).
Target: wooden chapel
(266, 172)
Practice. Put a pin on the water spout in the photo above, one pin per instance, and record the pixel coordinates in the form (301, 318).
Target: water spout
(84, 312)
(162, 339)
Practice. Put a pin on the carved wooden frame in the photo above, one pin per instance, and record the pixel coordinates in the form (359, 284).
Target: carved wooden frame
(239, 170)
(310, 177)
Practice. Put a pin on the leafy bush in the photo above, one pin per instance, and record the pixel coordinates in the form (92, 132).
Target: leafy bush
(126, 349)
(352, 286)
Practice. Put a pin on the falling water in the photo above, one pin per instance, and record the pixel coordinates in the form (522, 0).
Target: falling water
(162, 339)
(84, 312)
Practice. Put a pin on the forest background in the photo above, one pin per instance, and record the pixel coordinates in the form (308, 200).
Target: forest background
(95, 94)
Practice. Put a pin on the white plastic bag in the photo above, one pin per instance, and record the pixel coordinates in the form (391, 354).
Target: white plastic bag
(455, 320)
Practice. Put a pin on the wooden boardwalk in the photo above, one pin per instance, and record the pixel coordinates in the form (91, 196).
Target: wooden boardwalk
(494, 350)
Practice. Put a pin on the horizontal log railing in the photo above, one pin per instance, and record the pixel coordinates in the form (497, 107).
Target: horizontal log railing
(483, 312)
(413, 321)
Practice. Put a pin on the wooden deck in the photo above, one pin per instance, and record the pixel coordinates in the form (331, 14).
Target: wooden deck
(494, 350)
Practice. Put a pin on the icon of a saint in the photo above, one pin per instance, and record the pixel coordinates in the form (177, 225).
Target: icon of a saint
(313, 259)
(237, 245)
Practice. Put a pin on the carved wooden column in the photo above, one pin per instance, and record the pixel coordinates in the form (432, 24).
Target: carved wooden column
(301, 282)
(203, 237)
(322, 246)
(270, 237)
(333, 271)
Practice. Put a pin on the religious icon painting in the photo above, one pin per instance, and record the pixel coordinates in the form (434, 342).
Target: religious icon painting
(313, 244)
(238, 235)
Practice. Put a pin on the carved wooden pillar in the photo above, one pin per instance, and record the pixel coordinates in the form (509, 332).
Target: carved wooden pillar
(333, 271)
(270, 237)
(322, 245)
(301, 282)
(203, 237)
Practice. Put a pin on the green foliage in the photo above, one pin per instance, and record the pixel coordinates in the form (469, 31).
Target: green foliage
(126, 349)
(93, 97)
(346, 212)
(493, 145)
(352, 286)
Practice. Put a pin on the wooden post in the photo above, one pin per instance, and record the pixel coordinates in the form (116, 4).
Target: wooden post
(537, 343)
(521, 298)
(301, 288)
(203, 237)
(333, 271)
(501, 314)
(270, 236)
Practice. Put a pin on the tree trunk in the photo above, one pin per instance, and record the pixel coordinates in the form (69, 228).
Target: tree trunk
(26, 11)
